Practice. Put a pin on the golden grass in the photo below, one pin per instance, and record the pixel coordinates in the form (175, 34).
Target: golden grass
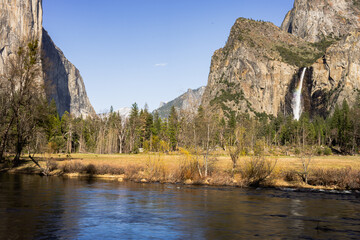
(223, 162)
(167, 167)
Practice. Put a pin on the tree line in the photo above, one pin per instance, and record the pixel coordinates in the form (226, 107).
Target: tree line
(30, 123)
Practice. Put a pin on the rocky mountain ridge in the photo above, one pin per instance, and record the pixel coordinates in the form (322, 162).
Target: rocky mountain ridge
(21, 21)
(259, 67)
(188, 102)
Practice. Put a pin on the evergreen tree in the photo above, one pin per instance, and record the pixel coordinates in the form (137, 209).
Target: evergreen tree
(173, 122)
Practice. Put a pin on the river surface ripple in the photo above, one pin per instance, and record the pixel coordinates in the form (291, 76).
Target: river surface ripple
(33, 207)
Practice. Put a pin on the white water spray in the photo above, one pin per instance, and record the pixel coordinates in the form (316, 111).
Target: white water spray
(296, 102)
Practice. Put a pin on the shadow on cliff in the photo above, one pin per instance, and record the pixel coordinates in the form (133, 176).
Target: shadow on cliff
(56, 77)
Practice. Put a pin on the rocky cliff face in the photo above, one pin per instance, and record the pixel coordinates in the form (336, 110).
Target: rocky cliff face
(20, 21)
(254, 71)
(64, 81)
(335, 76)
(260, 65)
(188, 102)
(313, 20)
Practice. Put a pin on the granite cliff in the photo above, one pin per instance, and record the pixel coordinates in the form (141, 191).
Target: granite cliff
(313, 20)
(20, 21)
(258, 69)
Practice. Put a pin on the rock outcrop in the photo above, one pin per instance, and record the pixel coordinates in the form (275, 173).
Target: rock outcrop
(188, 102)
(21, 21)
(313, 20)
(257, 70)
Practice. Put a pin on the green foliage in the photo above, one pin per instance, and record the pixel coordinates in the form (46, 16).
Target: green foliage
(173, 128)
(327, 151)
(303, 57)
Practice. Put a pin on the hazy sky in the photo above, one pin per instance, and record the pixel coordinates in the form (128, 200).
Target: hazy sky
(147, 51)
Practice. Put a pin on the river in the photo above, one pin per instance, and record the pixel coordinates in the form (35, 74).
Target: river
(34, 207)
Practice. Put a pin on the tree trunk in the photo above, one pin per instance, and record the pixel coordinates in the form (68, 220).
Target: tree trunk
(4, 139)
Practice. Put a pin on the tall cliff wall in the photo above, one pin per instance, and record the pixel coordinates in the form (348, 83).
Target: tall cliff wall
(20, 21)
(254, 71)
(66, 84)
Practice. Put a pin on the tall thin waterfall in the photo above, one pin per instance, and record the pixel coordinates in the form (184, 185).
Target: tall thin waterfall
(296, 102)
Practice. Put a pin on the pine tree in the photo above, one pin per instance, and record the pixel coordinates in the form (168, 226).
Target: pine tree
(173, 122)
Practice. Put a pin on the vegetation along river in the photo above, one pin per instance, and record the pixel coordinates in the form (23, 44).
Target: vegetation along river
(34, 207)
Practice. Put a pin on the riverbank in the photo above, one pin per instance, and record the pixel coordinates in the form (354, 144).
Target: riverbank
(324, 172)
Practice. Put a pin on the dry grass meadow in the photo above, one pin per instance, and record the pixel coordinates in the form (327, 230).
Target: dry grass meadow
(342, 172)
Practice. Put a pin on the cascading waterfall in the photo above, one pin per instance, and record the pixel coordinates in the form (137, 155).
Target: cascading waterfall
(296, 102)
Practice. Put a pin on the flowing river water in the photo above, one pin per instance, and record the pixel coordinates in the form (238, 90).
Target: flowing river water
(34, 207)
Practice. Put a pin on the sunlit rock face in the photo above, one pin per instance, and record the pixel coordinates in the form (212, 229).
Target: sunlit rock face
(336, 75)
(313, 20)
(187, 103)
(249, 74)
(21, 21)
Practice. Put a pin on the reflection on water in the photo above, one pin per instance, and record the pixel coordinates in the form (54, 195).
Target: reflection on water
(53, 207)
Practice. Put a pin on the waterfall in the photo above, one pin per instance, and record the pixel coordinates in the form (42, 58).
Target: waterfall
(296, 102)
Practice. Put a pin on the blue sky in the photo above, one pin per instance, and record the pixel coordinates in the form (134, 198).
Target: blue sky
(147, 51)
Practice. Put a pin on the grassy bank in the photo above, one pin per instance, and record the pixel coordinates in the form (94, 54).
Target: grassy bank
(329, 172)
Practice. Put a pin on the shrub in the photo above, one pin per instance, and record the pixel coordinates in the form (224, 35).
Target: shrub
(108, 169)
(155, 168)
(73, 167)
(319, 151)
(290, 175)
(346, 178)
(327, 151)
(90, 169)
(257, 170)
(51, 166)
(132, 171)
(189, 167)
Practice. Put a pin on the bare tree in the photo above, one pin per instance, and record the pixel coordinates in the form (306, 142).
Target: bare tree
(22, 85)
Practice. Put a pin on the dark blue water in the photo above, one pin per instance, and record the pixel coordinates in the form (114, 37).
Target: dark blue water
(33, 207)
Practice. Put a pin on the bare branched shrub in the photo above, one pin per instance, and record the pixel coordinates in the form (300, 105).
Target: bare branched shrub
(290, 175)
(257, 170)
(155, 168)
(305, 163)
(108, 169)
(51, 165)
(132, 171)
(212, 166)
(346, 178)
(73, 167)
(189, 167)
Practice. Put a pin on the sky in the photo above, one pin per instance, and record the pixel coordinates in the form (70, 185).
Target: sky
(147, 51)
